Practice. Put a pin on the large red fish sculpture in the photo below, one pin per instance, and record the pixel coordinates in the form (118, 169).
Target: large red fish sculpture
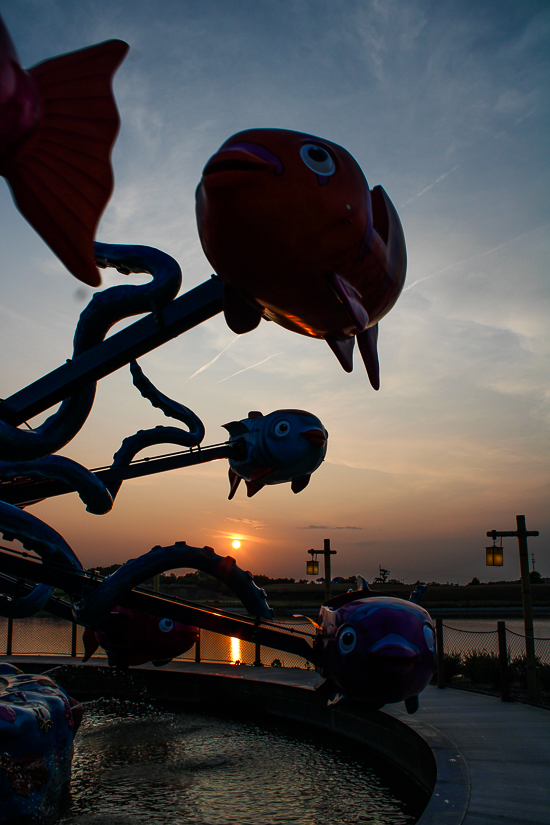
(131, 637)
(58, 122)
(289, 224)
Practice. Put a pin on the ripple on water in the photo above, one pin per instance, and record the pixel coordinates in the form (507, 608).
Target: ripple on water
(138, 764)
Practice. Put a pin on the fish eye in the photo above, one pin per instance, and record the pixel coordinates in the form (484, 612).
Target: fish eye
(317, 159)
(347, 639)
(282, 427)
(429, 637)
(166, 625)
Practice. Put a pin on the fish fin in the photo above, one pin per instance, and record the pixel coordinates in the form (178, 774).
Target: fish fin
(255, 414)
(361, 583)
(240, 316)
(161, 662)
(61, 176)
(368, 340)
(352, 300)
(299, 483)
(252, 488)
(234, 481)
(308, 618)
(336, 699)
(418, 592)
(411, 703)
(343, 350)
(235, 428)
(90, 643)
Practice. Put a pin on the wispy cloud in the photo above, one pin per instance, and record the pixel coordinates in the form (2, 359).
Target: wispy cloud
(250, 522)
(430, 185)
(214, 359)
(326, 527)
(251, 367)
(476, 257)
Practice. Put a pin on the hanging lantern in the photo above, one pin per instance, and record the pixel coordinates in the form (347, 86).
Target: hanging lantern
(312, 567)
(494, 556)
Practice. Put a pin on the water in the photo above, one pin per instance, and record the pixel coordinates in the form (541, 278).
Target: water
(140, 764)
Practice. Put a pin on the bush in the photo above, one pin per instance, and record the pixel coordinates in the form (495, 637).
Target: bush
(482, 667)
(452, 665)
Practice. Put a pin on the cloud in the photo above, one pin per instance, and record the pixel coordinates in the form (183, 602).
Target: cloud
(251, 522)
(214, 359)
(251, 367)
(325, 527)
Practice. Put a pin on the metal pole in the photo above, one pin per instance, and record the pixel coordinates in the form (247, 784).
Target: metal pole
(440, 652)
(198, 648)
(328, 574)
(9, 639)
(73, 640)
(532, 687)
(503, 662)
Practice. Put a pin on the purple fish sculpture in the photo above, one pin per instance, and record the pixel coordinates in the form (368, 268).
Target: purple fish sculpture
(38, 722)
(378, 649)
(286, 445)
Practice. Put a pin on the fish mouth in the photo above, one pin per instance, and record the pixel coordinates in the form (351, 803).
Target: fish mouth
(394, 654)
(315, 436)
(243, 157)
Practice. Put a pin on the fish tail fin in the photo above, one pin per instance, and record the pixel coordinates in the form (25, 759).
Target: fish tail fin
(61, 176)
(368, 347)
(90, 643)
(234, 481)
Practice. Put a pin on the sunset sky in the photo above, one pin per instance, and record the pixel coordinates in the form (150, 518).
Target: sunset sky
(446, 106)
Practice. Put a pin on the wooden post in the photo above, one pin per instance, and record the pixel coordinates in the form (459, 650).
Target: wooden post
(327, 552)
(9, 636)
(198, 648)
(440, 652)
(503, 662)
(73, 640)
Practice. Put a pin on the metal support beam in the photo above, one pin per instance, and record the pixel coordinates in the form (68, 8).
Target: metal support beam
(119, 349)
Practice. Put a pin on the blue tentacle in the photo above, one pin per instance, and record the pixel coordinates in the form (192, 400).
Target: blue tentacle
(22, 607)
(91, 490)
(170, 408)
(104, 310)
(97, 605)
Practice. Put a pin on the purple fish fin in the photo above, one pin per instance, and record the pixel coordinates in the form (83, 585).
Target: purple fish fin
(235, 428)
(352, 300)
(234, 481)
(240, 316)
(368, 341)
(90, 643)
(299, 483)
(411, 703)
(343, 350)
(253, 487)
(61, 175)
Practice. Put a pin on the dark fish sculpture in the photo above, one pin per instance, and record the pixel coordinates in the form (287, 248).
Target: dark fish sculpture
(131, 637)
(58, 122)
(38, 722)
(286, 445)
(378, 649)
(289, 224)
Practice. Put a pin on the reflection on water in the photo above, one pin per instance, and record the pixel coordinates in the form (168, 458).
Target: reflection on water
(139, 764)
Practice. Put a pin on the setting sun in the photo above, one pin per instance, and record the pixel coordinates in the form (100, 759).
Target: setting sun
(235, 544)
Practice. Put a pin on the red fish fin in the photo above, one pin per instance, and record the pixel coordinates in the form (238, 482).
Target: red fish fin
(234, 481)
(61, 176)
(368, 341)
(343, 350)
(352, 300)
(252, 488)
(90, 643)
(240, 316)
(299, 483)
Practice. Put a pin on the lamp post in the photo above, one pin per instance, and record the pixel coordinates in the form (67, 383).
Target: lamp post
(313, 565)
(522, 533)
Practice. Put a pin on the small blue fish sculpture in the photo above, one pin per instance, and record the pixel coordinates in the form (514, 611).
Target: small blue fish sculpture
(286, 445)
(38, 722)
(378, 649)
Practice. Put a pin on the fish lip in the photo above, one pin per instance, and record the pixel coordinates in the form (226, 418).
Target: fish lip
(243, 157)
(315, 436)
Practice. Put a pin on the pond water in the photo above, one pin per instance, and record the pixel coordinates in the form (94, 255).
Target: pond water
(141, 764)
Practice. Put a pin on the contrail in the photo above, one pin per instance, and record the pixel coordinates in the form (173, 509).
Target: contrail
(475, 257)
(430, 186)
(205, 367)
(250, 368)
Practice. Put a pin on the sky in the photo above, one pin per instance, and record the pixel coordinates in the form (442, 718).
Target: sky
(446, 106)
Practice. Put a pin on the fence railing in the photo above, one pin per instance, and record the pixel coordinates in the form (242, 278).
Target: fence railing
(494, 658)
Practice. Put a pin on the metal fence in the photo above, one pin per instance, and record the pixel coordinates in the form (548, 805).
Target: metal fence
(51, 636)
